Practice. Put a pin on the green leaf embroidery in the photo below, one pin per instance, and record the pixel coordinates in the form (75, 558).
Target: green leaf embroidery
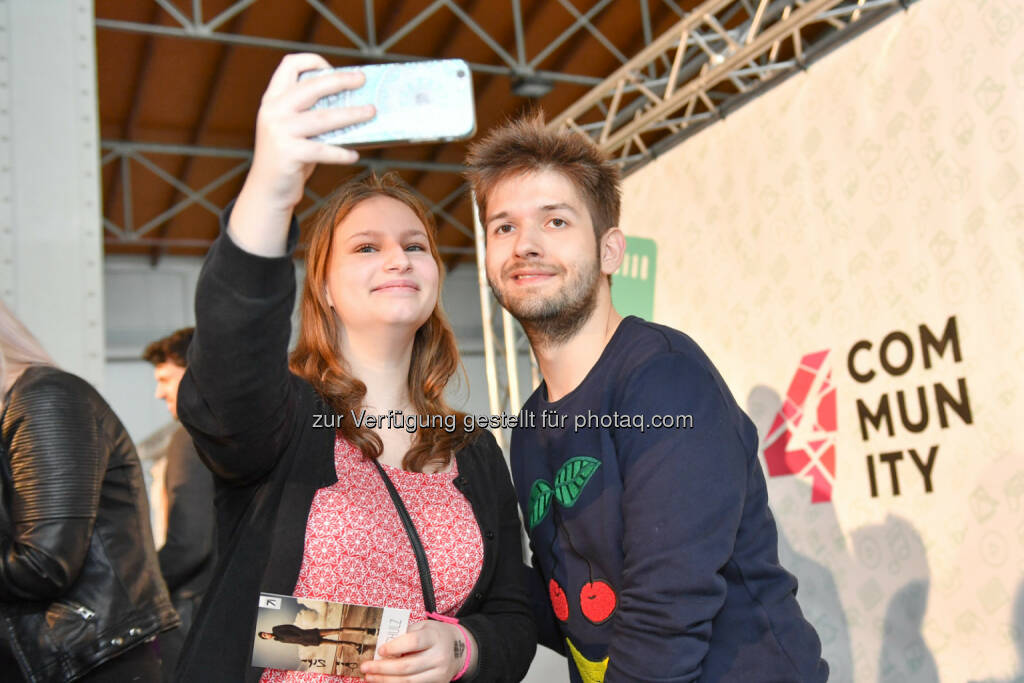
(540, 501)
(572, 477)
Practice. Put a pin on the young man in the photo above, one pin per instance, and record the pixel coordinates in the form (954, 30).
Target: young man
(655, 550)
(188, 556)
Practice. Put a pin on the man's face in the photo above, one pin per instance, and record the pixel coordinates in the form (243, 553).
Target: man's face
(542, 255)
(168, 376)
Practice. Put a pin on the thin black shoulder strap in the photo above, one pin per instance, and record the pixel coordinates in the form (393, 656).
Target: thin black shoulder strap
(414, 539)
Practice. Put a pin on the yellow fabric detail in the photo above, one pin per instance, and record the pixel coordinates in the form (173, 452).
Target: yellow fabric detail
(591, 672)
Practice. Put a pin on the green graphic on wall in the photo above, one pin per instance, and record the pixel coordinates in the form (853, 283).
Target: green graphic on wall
(633, 282)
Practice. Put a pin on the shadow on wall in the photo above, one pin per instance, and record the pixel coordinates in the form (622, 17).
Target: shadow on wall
(1017, 634)
(894, 549)
(887, 559)
(817, 592)
(819, 600)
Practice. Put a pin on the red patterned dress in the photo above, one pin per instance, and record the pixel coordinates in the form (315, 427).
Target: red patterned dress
(357, 551)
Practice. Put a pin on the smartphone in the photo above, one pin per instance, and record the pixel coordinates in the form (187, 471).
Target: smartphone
(416, 102)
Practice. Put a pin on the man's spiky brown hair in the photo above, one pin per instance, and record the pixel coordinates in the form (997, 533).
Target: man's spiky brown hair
(524, 145)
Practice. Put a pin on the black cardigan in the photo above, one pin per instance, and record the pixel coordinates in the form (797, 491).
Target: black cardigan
(252, 422)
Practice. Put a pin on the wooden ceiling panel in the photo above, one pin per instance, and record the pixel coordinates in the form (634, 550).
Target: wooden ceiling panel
(190, 73)
(178, 78)
(118, 86)
(201, 87)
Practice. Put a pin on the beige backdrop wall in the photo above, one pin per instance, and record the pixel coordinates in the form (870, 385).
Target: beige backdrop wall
(877, 194)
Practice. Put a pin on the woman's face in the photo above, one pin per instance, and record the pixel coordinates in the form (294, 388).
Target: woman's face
(381, 272)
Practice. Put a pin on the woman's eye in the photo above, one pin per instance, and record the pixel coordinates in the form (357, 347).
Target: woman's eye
(416, 247)
(366, 249)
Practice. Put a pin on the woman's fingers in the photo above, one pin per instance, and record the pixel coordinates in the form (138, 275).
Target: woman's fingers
(287, 72)
(415, 640)
(423, 667)
(284, 117)
(306, 92)
(403, 666)
(310, 123)
(312, 152)
(284, 157)
(423, 655)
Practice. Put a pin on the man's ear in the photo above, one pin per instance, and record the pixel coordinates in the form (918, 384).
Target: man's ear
(613, 250)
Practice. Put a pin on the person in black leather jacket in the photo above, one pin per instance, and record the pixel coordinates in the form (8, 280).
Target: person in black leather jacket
(81, 594)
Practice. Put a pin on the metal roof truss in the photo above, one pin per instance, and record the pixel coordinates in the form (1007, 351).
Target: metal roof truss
(715, 59)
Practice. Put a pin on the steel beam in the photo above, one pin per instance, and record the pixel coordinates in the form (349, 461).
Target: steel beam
(641, 99)
(120, 147)
(191, 243)
(125, 152)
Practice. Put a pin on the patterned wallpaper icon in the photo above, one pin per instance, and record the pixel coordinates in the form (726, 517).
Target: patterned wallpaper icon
(910, 203)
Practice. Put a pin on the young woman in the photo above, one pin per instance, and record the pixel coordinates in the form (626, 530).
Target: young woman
(80, 587)
(302, 508)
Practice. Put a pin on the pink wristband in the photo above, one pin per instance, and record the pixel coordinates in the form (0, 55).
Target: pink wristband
(465, 637)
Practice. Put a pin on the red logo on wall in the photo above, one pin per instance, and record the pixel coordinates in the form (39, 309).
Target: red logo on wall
(802, 439)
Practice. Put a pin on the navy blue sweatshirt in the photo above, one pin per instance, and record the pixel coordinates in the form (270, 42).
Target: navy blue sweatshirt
(656, 554)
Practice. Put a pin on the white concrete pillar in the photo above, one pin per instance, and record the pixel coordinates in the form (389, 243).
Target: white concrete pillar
(51, 249)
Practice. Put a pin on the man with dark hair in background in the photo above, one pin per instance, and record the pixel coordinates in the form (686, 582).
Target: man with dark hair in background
(188, 556)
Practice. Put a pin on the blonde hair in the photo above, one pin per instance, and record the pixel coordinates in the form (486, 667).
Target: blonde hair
(19, 350)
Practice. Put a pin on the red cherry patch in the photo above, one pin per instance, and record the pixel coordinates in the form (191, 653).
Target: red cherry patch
(597, 601)
(558, 600)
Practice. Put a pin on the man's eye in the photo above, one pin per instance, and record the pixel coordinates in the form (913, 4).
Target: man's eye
(504, 228)
(558, 223)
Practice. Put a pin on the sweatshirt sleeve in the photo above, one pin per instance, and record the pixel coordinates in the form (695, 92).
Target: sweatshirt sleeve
(683, 491)
(549, 634)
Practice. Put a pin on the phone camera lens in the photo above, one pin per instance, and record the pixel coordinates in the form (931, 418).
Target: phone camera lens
(460, 73)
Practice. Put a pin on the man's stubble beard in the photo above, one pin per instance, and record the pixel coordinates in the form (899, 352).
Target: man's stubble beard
(554, 320)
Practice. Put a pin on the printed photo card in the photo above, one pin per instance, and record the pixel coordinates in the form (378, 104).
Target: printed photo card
(302, 634)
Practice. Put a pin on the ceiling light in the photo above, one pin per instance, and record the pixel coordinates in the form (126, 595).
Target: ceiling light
(531, 86)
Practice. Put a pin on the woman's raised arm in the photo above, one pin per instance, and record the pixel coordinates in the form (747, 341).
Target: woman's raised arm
(284, 157)
(237, 398)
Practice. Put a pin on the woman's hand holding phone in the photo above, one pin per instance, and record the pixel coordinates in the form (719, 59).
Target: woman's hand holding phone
(284, 156)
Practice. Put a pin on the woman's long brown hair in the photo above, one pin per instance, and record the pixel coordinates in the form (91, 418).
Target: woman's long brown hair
(435, 357)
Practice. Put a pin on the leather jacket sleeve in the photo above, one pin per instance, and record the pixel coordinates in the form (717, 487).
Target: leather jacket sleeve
(57, 461)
